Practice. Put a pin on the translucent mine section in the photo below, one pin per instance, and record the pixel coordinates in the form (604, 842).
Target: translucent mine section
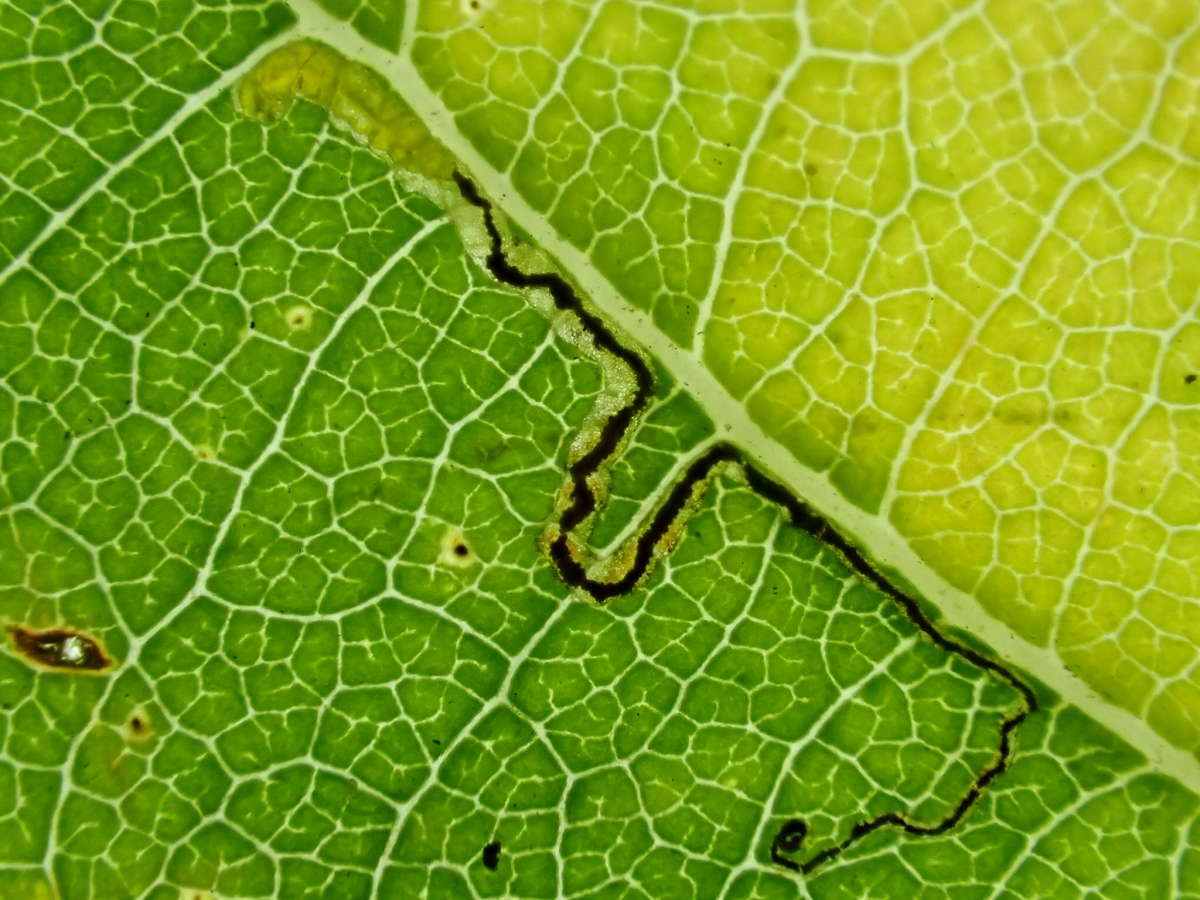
(355, 96)
(945, 253)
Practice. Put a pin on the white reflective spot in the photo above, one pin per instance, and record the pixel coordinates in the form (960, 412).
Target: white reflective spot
(72, 649)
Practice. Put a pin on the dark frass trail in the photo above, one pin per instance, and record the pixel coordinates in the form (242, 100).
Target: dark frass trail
(789, 839)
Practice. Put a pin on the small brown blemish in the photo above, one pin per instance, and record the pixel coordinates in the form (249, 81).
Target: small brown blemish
(456, 550)
(204, 452)
(60, 649)
(137, 726)
(298, 317)
(810, 169)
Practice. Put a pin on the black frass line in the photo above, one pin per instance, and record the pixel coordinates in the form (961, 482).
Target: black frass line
(583, 502)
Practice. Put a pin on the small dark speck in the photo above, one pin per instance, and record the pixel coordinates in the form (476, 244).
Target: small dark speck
(1190, 378)
(491, 856)
(791, 836)
(461, 550)
(251, 323)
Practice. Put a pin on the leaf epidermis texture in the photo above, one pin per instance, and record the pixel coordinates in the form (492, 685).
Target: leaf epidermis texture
(943, 253)
(257, 396)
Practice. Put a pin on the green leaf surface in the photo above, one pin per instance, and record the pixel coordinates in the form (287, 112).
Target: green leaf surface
(941, 254)
(284, 457)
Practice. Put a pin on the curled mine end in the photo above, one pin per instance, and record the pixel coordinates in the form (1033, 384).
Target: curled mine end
(787, 842)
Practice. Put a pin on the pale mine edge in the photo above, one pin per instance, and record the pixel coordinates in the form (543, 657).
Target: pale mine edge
(958, 609)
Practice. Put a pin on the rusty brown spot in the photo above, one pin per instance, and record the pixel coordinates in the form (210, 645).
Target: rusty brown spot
(60, 648)
(138, 725)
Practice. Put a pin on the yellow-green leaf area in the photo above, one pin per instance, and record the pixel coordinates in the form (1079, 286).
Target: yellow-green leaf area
(945, 253)
(621, 122)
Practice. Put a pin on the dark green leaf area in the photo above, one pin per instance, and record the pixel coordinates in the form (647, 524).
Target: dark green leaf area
(76, 97)
(754, 675)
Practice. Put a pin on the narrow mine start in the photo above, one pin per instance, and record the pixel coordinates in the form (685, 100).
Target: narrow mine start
(790, 835)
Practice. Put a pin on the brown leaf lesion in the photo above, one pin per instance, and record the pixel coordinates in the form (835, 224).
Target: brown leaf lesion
(62, 649)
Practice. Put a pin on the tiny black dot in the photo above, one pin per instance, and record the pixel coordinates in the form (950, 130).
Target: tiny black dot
(1190, 378)
(461, 550)
(491, 855)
